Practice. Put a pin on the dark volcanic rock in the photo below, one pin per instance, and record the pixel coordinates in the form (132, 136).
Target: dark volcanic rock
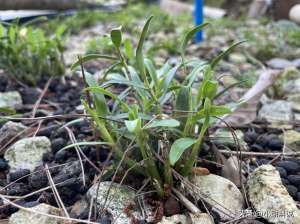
(290, 166)
(292, 190)
(19, 174)
(282, 172)
(294, 179)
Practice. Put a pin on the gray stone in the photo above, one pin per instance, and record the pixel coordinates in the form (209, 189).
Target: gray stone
(10, 99)
(279, 63)
(225, 137)
(202, 218)
(175, 219)
(237, 58)
(26, 217)
(221, 193)
(79, 208)
(269, 196)
(27, 153)
(276, 111)
(120, 197)
(9, 130)
(294, 13)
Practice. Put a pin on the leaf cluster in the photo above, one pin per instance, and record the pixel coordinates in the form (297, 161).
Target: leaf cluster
(161, 142)
(28, 54)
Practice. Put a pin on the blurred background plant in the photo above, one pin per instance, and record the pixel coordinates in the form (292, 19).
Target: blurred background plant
(28, 54)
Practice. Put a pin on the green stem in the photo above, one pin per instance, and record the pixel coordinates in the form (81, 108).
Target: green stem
(187, 168)
(151, 167)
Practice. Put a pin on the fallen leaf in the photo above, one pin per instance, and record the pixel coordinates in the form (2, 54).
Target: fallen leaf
(247, 111)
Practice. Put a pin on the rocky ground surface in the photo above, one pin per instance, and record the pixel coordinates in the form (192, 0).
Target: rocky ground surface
(34, 169)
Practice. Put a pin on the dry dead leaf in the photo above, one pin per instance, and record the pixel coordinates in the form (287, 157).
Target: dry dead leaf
(247, 111)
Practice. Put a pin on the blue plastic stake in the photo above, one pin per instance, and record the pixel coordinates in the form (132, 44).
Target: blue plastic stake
(198, 14)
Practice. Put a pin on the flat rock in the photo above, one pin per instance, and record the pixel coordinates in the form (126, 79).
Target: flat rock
(27, 153)
(10, 99)
(26, 217)
(9, 130)
(225, 137)
(120, 198)
(219, 192)
(279, 63)
(292, 87)
(202, 218)
(269, 196)
(174, 219)
(276, 111)
(294, 13)
(237, 58)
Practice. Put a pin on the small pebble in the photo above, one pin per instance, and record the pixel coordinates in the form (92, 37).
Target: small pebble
(275, 144)
(294, 179)
(57, 144)
(19, 174)
(262, 140)
(285, 182)
(282, 171)
(290, 166)
(257, 148)
(292, 190)
(3, 164)
(250, 137)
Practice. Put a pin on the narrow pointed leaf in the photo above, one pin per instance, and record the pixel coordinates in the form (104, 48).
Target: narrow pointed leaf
(171, 123)
(139, 51)
(190, 35)
(90, 57)
(216, 60)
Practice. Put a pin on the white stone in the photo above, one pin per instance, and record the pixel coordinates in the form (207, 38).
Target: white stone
(202, 218)
(9, 130)
(175, 219)
(10, 99)
(221, 193)
(26, 217)
(120, 197)
(27, 153)
(269, 196)
(295, 13)
(276, 111)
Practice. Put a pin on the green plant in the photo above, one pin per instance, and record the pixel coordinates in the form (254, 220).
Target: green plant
(28, 54)
(161, 142)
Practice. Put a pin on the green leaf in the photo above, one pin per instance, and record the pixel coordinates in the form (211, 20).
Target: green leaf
(128, 48)
(165, 83)
(90, 57)
(183, 104)
(139, 50)
(98, 98)
(84, 144)
(133, 125)
(190, 35)
(7, 111)
(100, 90)
(178, 148)
(170, 123)
(219, 111)
(216, 60)
(116, 36)
(152, 71)
(210, 89)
